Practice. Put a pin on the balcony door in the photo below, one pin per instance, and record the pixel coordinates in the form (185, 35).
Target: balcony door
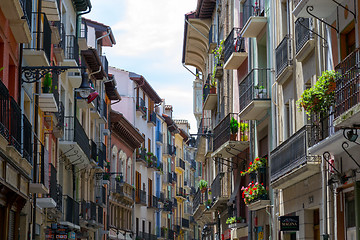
(138, 186)
(150, 188)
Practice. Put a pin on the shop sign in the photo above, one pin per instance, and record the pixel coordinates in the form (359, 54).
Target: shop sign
(289, 223)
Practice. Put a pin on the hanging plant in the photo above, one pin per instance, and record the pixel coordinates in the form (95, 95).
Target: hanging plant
(254, 166)
(202, 184)
(321, 96)
(253, 192)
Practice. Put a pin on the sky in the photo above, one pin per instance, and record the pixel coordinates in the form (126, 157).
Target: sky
(149, 41)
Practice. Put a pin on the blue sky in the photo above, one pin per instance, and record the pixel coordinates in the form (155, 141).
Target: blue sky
(149, 39)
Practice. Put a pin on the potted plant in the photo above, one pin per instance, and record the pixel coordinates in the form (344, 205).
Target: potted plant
(213, 85)
(47, 83)
(257, 165)
(234, 127)
(203, 185)
(230, 220)
(321, 96)
(260, 91)
(244, 126)
(119, 178)
(253, 192)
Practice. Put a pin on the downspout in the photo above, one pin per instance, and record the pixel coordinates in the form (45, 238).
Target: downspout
(77, 18)
(99, 38)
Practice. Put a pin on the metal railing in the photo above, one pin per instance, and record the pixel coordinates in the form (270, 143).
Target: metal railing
(204, 127)
(4, 110)
(101, 158)
(93, 150)
(55, 189)
(206, 88)
(252, 10)
(169, 178)
(62, 32)
(233, 43)
(60, 115)
(223, 134)
(100, 218)
(254, 87)
(27, 9)
(220, 186)
(83, 29)
(180, 163)
(171, 149)
(72, 210)
(140, 196)
(74, 132)
(174, 177)
(15, 125)
(292, 153)
(71, 48)
(302, 32)
(283, 55)
(159, 136)
(27, 140)
(152, 117)
(141, 154)
(55, 87)
(321, 127)
(41, 35)
(140, 104)
(175, 203)
(105, 64)
(185, 223)
(347, 92)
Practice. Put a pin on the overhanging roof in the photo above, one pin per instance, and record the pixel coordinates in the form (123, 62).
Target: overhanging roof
(111, 90)
(101, 30)
(125, 130)
(170, 123)
(143, 84)
(196, 41)
(93, 61)
(205, 8)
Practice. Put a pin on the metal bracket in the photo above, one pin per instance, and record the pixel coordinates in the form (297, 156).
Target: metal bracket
(326, 156)
(34, 74)
(345, 145)
(309, 9)
(301, 20)
(344, 7)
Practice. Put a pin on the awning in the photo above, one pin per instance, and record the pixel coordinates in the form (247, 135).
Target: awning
(235, 192)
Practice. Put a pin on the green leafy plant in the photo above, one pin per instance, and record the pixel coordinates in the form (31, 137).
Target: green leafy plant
(2, 68)
(321, 96)
(231, 220)
(234, 126)
(46, 85)
(253, 192)
(203, 184)
(254, 166)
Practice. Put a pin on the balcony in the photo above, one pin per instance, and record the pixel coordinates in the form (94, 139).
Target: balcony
(319, 8)
(100, 195)
(71, 214)
(234, 50)
(185, 223)
(15, 126)
(41, 183)
(75, 142)
(71, 52)
(140, 106)
(28, 136)
(123, 190)
(181, 193)
(19, 15)
(55, 190)
(95, 108)
(159, 137)
(49, 96)
(174, 203)
(200, 214)
(226, 144)
(209, 95)
(93, 151)
(141, 155)
(152, 118)
(174, 177)
(212, 39)
(37, 52)
(254, 95)
(58, 39)
(153, 201)
(347, 92)
(168, 178)
(304, 38)
(205, 128)
(259, 203)
(105, 64)
(284, 67)
(82, 41)
(221, 190)
(140, 197)
(188, 208)
(253, 19)
(171, 150)
(180, 165)
(101, 156)
(290, 161)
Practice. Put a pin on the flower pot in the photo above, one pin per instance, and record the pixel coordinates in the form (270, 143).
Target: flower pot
(212, 90)
(244, 137)
(203, 190)
(233, 136)
(46, 89)
(332, 86)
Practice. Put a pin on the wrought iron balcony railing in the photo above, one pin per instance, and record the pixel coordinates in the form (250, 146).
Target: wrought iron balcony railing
(141, 154)
(181, 192)
(101, 158)
(254, 87)
(302, 32)
(41, 34)
(347, 92)
(159, 136)
(15, 125)
(72, 210)
(55, 189)
(233, 43)
(93, 150)
(71, 48)
(171, 149)
(140, 196)
(185, 223)
(252, 10)
(152, 117)
(74, 132)
(219, 186)
(140, 105)
(174, 177)
(222, 132)
(180, 163)
(292, 153)
(105, 64)
(283, 55)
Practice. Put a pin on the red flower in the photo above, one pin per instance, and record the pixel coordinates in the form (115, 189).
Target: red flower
(250, 192)
(250, 163)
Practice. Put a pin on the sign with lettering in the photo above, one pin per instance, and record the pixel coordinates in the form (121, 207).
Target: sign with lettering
(289, 223)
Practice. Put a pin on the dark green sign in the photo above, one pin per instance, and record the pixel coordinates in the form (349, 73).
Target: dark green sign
(289, 223)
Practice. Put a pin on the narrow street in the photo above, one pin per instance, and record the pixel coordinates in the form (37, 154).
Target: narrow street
(192, 119)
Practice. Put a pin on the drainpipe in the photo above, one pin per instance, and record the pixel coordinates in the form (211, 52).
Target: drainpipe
(77, 18)
(99, 38)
